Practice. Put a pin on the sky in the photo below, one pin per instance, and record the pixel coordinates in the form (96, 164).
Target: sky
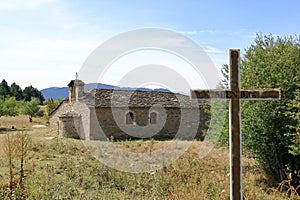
(45, 42)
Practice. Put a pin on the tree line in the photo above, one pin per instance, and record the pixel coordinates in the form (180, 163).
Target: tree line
(16, 91)
(11, 107)
(15, 101)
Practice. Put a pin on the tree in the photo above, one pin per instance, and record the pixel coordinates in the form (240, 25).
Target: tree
(16, 91)
(217, 109)
(30, 92)
(51, 104)
(224, 138)
(294, 112)
(32, 109)
(8, 107)
(4, 89)
(225, 73)
(271, 63)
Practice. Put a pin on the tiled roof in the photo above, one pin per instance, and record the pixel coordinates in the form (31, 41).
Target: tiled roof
(137, 98)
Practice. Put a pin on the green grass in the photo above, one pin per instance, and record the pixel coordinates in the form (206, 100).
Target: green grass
(61, 168)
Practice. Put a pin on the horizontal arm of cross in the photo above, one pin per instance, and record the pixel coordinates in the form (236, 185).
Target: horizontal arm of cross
(250, 94)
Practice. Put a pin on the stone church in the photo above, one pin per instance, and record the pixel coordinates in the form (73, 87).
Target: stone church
(99, 114)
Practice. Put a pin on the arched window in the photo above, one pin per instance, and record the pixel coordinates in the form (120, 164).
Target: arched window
(129, 118)
(153, 118)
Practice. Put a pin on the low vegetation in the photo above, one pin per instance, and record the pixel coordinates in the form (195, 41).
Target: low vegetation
(60, 168)
(11, 107)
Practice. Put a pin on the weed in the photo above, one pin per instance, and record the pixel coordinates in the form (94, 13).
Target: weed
(61, 168)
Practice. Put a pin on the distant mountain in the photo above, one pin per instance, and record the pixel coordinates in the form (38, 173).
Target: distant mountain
(55, 92)
(161, 90)
(99, 86)
(63, 92)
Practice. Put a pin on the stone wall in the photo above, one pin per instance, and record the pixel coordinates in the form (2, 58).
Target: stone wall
(69, 126)
(171, 122)
(62, 125)
(84, 111)
(55, 125)
(102, 123)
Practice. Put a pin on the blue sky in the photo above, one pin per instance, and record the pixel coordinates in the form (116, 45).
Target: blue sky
(44, 42)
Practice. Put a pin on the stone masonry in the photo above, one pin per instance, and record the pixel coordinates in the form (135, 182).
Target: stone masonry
(100, 114)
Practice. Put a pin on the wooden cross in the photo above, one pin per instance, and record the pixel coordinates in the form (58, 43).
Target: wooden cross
(235, 95)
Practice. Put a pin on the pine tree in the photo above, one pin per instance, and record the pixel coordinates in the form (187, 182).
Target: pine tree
(4, 89)
(16, 91)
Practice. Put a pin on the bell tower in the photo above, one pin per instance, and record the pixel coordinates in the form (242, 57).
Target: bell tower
(76, 89)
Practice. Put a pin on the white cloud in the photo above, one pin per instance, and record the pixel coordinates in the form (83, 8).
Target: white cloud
(12, 5)
(191, 32)
(237, 33)
(209, 49)
(198, 32)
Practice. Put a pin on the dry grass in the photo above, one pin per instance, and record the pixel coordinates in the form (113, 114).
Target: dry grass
(60, 168)
(20, 122)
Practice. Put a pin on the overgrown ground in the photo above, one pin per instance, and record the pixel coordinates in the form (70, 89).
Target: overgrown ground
(60, 168)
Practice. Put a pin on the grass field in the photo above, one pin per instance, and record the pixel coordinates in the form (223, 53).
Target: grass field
(60, 168)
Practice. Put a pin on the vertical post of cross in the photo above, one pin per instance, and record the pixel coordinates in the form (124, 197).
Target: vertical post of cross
(235, 127)
(236, 95)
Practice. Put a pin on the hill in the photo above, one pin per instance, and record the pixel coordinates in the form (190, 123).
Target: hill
(55, 92)
(62, 92)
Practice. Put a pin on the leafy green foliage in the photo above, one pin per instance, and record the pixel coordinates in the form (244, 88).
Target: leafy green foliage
(271, 63)
(225, 73)
(32, 109)
(294, 113)
(31, 92)
(51, 105)
(224, 137)
(8, 107)
(219, 122)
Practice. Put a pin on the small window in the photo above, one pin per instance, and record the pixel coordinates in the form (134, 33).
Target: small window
(129, 118)
(153, 118)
